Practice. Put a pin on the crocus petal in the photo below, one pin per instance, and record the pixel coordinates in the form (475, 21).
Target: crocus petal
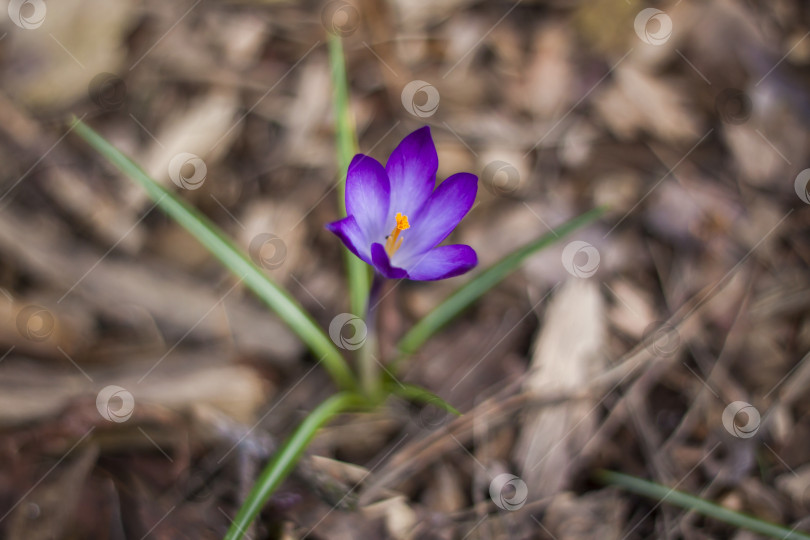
(439, 216)
(412, 172)
(352, 237)
(443, 262)
(367, 196)
(383, 264)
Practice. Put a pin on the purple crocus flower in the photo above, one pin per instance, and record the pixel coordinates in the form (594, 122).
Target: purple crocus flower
(395, 219)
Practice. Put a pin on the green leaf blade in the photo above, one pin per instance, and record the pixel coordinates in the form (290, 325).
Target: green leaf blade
(346, 140)
(418, 394)
(702, 506)
(210, 236)
(483, 282)
(285, 459)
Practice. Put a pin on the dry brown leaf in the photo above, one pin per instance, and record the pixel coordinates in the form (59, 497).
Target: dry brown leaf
(400, 518)
(275, 237)
(49, 507)
(56, 62)
(567, 355)
(632, 311)
(110, 284)
(180, 382)
(639, 101)
(205, 128)
(598, 514)
(547, 88)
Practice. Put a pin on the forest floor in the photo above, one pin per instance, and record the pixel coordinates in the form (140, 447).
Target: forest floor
(142, 387)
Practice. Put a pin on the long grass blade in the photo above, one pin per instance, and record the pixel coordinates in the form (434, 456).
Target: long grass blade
(702, 506)
(483, 282)
(346, 139)
(286, 458)
(210, 236)
(418, 394)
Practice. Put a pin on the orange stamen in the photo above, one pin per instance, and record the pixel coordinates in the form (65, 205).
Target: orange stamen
(394, 241)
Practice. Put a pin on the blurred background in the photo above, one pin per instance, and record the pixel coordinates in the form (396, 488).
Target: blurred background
(142, 387)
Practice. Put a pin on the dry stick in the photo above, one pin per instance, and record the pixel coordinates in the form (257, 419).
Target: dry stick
(689, 420)
(437, 443)
(474, 513)
(46, 156)
(662, 467)
(172, 297)
(414, 456)
(616, 416)
(718, 371)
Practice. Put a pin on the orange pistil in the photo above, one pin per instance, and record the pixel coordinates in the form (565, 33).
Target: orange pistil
(394, 241)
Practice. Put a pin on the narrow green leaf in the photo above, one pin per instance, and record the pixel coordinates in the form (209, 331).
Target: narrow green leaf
(484, 281)
(702, 506)
(210, 236)
(287, 456)
(418, 394)
(346, 140)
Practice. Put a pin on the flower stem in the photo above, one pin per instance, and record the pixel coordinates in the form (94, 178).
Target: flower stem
(287, 457)
(369, 366)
